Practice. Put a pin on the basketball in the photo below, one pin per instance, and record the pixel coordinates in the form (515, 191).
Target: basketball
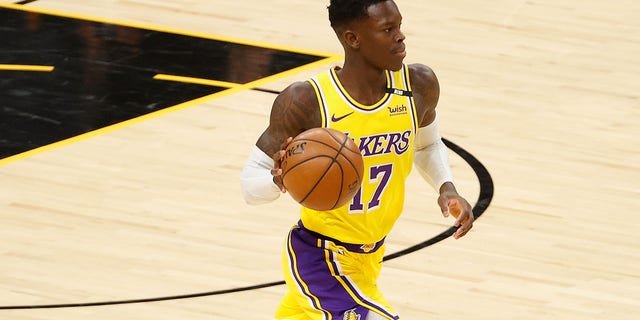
(322, 169)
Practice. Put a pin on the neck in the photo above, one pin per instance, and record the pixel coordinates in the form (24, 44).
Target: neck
(365, 84)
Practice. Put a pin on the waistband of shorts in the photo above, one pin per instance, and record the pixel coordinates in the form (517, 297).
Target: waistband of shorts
(352, 247)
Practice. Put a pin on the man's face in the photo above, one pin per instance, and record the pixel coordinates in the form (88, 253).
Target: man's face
(381, 41)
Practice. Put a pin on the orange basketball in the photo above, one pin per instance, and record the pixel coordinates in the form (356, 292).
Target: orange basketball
(322, 169)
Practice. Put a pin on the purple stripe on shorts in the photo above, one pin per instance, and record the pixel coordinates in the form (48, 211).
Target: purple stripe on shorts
(354, 288)
(314, 272)
(294, 264)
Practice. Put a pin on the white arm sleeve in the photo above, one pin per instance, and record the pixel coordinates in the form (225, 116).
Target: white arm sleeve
(431, 156)
(256, 179)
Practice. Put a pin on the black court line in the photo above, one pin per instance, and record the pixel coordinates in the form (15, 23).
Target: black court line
(484, 199)
(25, 1)
(266, 90)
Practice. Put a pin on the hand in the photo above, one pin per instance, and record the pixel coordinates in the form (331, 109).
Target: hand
(451, 203)
(276, 172)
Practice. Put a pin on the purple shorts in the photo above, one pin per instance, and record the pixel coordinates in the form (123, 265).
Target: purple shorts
(328, 279)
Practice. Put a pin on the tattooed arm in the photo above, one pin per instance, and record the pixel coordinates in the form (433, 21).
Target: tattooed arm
(294, 110)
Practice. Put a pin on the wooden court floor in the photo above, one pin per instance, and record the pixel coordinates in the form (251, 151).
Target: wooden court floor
(545, 95)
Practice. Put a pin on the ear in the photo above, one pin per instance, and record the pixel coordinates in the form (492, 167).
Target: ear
(351, 38)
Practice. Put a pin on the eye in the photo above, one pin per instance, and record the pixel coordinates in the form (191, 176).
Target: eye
(391, 28)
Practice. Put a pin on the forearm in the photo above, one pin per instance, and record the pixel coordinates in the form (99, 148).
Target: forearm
(432, 158)
(256, 179)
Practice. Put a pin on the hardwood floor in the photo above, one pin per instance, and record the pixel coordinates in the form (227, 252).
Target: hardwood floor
(544, 94)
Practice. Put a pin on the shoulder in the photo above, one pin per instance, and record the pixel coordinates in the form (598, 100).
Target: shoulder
(423, 79)
(297, 106)
(426, 89)
(298, 93)
(294, 110)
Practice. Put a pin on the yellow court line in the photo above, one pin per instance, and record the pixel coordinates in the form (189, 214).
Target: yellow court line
(25, 67)
(165, 29)
(207, 82)
(165, 111)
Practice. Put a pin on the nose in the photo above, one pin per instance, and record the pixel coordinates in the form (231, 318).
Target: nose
(400, 37)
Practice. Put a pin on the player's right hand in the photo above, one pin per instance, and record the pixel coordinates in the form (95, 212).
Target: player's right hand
(276, 172)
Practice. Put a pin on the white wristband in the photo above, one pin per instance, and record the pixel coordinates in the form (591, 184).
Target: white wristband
(431, 156)
(256, 179)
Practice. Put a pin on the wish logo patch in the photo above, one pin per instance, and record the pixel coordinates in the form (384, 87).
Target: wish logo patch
(398, 110)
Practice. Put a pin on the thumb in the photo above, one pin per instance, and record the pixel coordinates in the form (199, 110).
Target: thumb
(444, 207)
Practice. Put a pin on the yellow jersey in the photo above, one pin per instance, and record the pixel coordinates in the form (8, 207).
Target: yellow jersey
(384, 132)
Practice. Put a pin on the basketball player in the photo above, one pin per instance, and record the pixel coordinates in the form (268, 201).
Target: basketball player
(332, 259)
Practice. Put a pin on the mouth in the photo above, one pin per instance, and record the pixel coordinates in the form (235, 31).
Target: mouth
(400, 50)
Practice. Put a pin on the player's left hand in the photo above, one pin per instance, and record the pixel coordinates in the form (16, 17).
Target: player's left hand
(451, 203)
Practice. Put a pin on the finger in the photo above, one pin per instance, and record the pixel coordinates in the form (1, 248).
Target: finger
(286, 143)
(283, 189)
(278, 154)
(277, 157)
(463, 229)
(445, 212)
(444, 206)
(277, 179)
(459, 233)
(458, 221)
